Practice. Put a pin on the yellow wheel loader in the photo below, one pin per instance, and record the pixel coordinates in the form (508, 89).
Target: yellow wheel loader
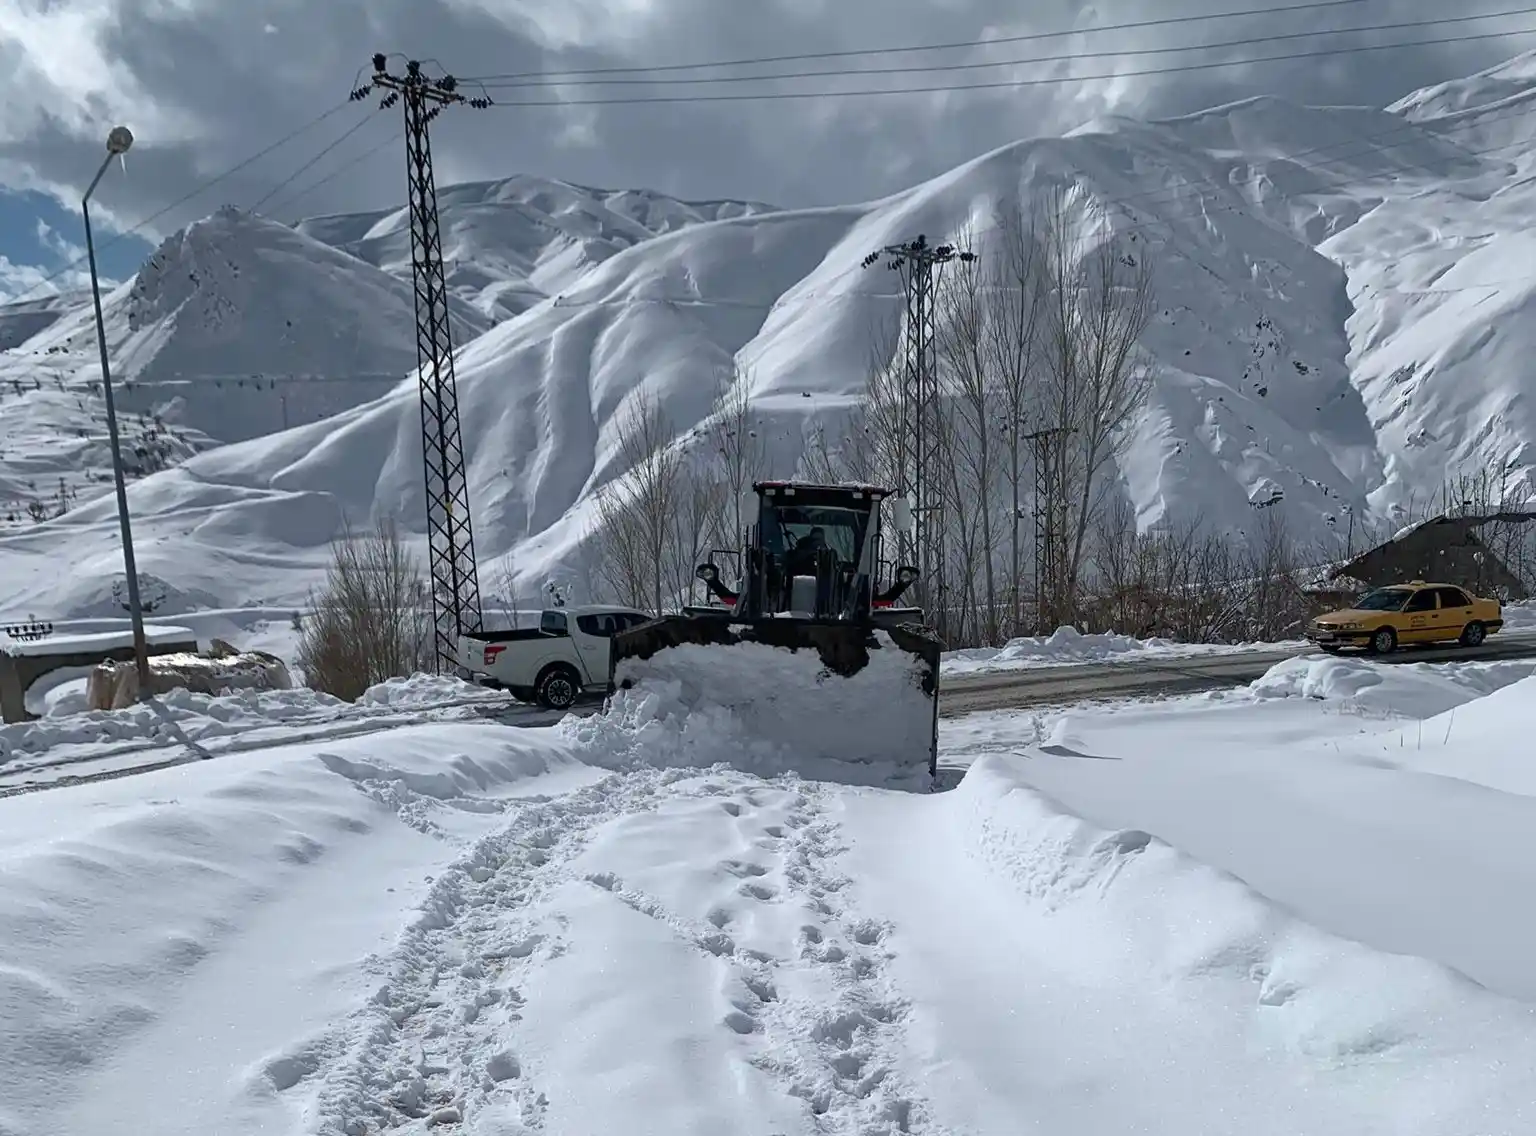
(808, 649)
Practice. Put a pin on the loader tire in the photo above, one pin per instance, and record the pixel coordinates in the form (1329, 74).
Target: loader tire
(558, 687)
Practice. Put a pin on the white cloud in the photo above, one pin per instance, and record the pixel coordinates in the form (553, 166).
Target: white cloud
(206, 83)
(49, 237)
(32, 281)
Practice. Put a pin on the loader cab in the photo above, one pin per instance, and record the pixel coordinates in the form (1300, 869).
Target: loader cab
(811, 550)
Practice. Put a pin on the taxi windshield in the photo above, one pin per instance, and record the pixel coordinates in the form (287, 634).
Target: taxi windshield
(1383, 599)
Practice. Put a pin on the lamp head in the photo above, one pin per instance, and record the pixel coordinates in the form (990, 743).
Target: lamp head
(119, 140)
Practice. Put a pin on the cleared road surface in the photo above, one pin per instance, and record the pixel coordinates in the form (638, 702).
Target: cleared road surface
(1136, 678)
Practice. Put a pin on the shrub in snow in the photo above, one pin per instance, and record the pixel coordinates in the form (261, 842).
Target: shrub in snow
(370, 621)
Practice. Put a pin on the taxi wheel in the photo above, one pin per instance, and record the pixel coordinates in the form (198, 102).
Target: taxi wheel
(1384, 642)
(1473, 634)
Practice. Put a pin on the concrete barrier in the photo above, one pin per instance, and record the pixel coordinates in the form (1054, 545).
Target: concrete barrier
(113, 684)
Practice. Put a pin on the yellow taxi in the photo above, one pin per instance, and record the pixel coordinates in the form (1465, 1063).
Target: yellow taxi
(1415, 612)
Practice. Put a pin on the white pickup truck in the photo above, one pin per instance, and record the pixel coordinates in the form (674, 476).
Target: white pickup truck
(553, 664)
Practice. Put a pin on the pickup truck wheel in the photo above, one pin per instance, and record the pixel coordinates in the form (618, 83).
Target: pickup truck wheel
(1384, 642)
(558, 687)
(1473, 634)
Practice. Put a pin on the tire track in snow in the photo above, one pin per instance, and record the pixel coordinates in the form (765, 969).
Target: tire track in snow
(837, 1054)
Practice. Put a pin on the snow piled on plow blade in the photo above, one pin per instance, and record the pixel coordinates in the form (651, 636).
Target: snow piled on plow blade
(773, 710)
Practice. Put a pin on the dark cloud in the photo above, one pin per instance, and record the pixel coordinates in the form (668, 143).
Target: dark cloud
(205, 83)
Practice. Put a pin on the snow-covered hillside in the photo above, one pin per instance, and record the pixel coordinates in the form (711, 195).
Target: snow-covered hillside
(236, 303)
(22, 320)
(509, 244)
(1339, 293)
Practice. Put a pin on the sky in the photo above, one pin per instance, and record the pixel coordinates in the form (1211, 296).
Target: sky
(207, 84)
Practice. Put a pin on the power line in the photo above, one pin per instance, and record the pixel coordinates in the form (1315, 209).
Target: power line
(271, 193)
(1029, 37)
(1013, 84)
(978, 65)
(201, 188)
(288, 202)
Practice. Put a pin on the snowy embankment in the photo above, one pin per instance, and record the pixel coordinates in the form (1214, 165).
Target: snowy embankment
(188, 726)
(1067, 646)
(1239, 912)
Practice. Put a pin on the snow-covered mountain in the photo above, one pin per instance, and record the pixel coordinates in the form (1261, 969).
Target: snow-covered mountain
(21, 320)
(1337, 324)
(509, 244)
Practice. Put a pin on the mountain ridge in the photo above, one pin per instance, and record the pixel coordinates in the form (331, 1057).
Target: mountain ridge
(1317, 350)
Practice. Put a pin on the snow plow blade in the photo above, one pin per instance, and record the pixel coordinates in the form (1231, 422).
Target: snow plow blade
(827, 689)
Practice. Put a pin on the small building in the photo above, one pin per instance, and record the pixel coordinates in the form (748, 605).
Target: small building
(1446, 549)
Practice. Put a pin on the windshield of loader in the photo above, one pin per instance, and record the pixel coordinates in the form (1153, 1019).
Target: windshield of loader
(787, 529)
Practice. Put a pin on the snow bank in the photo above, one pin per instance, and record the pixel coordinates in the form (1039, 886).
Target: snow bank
(1411, 690)
(1485, 741)
(119, 901)
(1520, 616)
(1128, 929)
(768, 710)
(1067, 646)
(182, 715)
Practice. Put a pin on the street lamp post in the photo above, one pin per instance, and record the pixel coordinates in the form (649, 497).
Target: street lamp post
(118, 142)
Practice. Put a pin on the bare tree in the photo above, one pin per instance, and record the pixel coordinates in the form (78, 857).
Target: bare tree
(371, 621)
(1012, 345)
(506, 577)
(968, 412)
(635, 511)
(1275, 605)
(1099, 302)
(701, 508)
(740, 454)
(822, 462)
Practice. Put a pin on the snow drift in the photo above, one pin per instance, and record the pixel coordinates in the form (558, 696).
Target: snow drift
(770, 710)
(1416, 690)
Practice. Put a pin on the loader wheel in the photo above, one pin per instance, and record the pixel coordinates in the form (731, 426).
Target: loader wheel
(557, 688)
(1473, 634)
(1384, 642)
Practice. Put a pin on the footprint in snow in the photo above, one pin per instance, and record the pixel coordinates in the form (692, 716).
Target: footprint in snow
(744, 868)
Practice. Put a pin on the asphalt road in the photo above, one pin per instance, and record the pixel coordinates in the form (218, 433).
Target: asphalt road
(1048, 686)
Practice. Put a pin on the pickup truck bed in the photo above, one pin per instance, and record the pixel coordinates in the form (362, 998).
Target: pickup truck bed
(513, 635)
(562, 659)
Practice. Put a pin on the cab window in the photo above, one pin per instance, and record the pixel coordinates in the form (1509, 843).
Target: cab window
(1423, 600)
(603, 625)
(553, 623)
(1453, 597)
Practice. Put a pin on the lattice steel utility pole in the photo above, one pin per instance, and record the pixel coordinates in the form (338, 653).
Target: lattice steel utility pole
(1050, 519)
(917, 440)
(450, 536)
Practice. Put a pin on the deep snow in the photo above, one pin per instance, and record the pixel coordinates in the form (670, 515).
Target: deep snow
(1339, 326)
(1275, 910)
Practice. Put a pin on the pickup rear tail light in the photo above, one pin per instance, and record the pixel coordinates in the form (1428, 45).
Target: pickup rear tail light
(491, 652)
